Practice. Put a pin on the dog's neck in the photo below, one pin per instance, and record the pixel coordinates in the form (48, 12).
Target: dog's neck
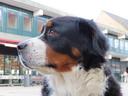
(79, 82)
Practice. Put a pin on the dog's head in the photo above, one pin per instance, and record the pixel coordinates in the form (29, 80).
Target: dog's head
(65, 42)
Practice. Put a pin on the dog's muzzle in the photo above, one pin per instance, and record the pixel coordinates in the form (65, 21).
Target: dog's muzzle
(32, 53)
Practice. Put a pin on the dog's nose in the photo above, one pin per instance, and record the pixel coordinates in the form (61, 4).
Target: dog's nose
(21, 46)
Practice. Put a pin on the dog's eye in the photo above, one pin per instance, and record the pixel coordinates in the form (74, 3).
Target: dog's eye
(52, 33)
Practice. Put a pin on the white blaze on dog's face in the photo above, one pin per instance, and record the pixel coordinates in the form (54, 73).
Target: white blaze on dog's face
(34, 54)
(40, 53)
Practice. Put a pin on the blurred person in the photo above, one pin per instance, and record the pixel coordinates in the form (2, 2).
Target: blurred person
(125, 75)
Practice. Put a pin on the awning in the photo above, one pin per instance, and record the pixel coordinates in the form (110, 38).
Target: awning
(8, 47)
(9, 43)
(7, 50)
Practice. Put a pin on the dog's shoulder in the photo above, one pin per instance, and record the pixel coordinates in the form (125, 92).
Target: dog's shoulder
(46, 89)
(113, 87)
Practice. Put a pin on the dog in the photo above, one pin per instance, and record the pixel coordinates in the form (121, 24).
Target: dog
(71, 51)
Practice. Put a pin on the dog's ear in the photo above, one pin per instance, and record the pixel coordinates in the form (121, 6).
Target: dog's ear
(86, 28)
(95, 43)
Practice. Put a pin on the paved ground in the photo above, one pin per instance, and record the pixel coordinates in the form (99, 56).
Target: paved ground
(125, 89)
(20, 91)
(36, 91)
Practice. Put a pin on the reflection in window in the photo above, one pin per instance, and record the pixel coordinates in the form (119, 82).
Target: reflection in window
(122, 44)
(110, 41)
(27, 23)
(7, 62)
(116, 42)
(12, 20)
(0, 17)
(116, 64)
(1, 64)
(126, 45)
(40, 25)
(14, 65)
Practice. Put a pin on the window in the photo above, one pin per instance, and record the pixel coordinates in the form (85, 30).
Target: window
(116, 64)
(11, 65)
(1, 64)
(7, 65)
(0, 17)
(126, 45)
(121, 44)
(111, 41)
(12, 20)
(116, 42)
(27, 25)
(40, 25)
(14, 65)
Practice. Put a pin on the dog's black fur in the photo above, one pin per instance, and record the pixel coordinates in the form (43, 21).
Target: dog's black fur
(84, 35)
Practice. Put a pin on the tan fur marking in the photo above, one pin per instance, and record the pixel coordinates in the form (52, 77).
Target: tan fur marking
(49, 24)
(76, 52)
(63, 62)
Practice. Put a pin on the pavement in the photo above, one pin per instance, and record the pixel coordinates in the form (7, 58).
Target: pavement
(36, 90)
(124, 89)
(20, 91)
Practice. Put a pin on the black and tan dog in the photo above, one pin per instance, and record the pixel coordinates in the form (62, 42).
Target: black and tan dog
(72, 51)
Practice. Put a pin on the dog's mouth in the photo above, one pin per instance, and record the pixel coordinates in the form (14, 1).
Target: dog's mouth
(23, 62)
(30, 60)
(46, 68)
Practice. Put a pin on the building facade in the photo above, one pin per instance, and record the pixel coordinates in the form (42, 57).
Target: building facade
(116, 29)
(18, 22)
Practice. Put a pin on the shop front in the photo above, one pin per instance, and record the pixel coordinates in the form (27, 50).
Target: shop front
(11, 72)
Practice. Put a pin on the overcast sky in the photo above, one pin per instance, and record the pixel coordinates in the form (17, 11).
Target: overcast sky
(89, 8)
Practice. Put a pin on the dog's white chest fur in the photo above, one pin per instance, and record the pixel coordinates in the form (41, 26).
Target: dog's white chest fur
(79, 83)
